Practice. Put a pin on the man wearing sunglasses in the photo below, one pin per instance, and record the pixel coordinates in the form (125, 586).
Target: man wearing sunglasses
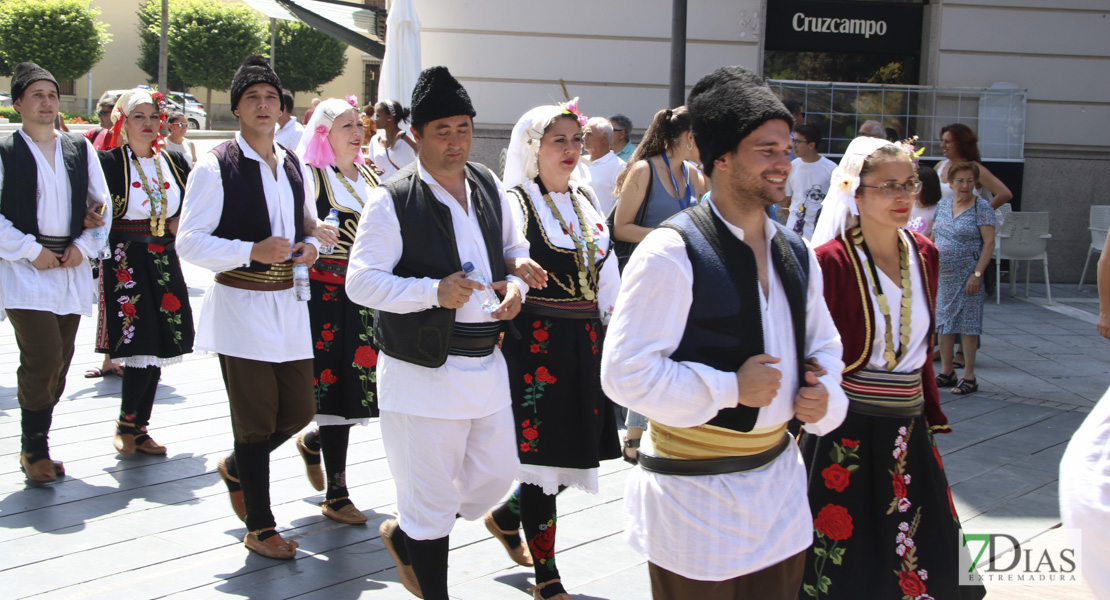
(101, 136)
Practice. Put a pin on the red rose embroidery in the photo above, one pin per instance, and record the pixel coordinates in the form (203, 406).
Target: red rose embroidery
(365, 357)
(319, 345)
(122, 275)
(315, 382)
(911, 584)
(524, 447)
(531, 434)
(535, 348)
(599, 227)
(157, 248)
(543, 545)
(540, 335)
(128, 310)
(849, 444)
(327, 335)
(526, 423)
(527, 378)
(899, 486)
(166, 185)
(836, 477)
(136, 184)
(543, 376)
(536, 324)
(327, 325)
(331, 288)
(834, 522)
(170, 303)
(325, 297)
(327, 377)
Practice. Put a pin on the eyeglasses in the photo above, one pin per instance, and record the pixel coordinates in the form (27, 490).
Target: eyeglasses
(103, 113)
(616, 130)
(891, 189)
(797, 141)
(181, 124)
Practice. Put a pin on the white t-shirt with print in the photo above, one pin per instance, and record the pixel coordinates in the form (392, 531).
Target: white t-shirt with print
(807, 185)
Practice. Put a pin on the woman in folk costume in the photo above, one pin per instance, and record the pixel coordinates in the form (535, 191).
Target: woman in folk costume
(145, 317)
(885, 525)
(344, 355)
(564, 422)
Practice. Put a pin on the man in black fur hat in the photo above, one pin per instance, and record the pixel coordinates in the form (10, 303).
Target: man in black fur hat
(244, 214)
(721, 390)
(45, 281)
(446, 418)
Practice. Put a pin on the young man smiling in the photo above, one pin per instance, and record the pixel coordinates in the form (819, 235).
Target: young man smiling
(443, 388)
(723, 369)
(244, 217)
(47, 180)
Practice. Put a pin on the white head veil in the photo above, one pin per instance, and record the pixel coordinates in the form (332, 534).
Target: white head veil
(839, 211)
(314, 147)
(127, 103)
(524, 145)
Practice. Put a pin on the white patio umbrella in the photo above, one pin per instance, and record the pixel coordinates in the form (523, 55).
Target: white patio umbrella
(401, 63)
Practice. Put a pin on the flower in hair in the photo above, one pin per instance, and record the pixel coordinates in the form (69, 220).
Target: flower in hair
(571, 108)
(848, 185)
(352, 100)
(321, 130)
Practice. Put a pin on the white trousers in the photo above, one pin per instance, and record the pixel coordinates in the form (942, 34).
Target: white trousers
(448, 467)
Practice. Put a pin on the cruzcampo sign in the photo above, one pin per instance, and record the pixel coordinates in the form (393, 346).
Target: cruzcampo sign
(869, 27)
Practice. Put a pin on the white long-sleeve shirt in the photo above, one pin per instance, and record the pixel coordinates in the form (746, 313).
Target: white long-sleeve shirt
(603, 179)
(464, 387)
(713, 527)
(62, 291)
(265, 326)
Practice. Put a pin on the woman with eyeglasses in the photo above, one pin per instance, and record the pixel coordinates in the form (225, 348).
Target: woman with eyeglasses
(884, 523)
(101, 137)
(145, 317)
(177, 125)
(964, 233)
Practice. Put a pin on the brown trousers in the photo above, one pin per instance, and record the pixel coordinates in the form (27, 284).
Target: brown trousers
(780, 581)
(267, 397)
(45, 342)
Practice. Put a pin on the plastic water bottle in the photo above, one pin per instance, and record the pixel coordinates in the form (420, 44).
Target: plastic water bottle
(332, 219)
(300, 280)
(489, 299)
(100, 234)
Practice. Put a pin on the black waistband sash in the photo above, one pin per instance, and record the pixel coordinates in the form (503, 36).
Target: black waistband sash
(713, 466)
(885, 394)
(54, 243)
(474, 339)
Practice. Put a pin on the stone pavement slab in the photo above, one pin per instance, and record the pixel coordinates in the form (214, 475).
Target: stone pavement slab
(160, 527)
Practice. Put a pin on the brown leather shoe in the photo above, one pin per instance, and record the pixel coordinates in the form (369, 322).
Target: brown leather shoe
(42, 470)
(537, 596)
(404, 572)
(348, 515)
(124, 442)
(149, 446)
(520, 554)
(311, 464)
(236, 497)
(272, 547)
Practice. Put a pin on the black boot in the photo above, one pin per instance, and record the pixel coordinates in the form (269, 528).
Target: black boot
(429, 562)
(252, 462)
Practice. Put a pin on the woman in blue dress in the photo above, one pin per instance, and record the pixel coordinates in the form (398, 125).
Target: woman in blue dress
(964, 235)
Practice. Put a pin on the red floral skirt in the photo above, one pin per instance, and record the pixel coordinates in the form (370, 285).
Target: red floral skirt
(344, 369)
(884, 522)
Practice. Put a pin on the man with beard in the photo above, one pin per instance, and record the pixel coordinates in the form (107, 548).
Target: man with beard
(740, 334)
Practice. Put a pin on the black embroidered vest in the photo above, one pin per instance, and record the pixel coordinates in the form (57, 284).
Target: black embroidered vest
(725, 326)
(245, 214)
(430, 250)
(117, 166)
(19, 198)
(348, 219)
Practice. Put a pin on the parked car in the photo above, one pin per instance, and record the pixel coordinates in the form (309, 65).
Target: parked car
(5, 99)
(197, 117)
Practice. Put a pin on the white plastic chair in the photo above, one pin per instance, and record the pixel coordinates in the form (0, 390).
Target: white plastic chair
(1100, 225)
(1023, 236)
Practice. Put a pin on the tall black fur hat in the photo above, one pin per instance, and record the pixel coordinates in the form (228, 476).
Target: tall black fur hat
(726, 106)
(254, 70)
(27, 73)
(438, 95)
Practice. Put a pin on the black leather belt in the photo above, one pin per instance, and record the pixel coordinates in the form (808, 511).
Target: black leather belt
(130, 236)
(713, 466)
(330, 267)
(554, 313)
(880, 410)
(474, 339)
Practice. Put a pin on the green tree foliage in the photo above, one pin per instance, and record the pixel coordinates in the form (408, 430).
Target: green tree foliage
(208, 40)
(61, 36)
(306, 58)
(150, 29)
